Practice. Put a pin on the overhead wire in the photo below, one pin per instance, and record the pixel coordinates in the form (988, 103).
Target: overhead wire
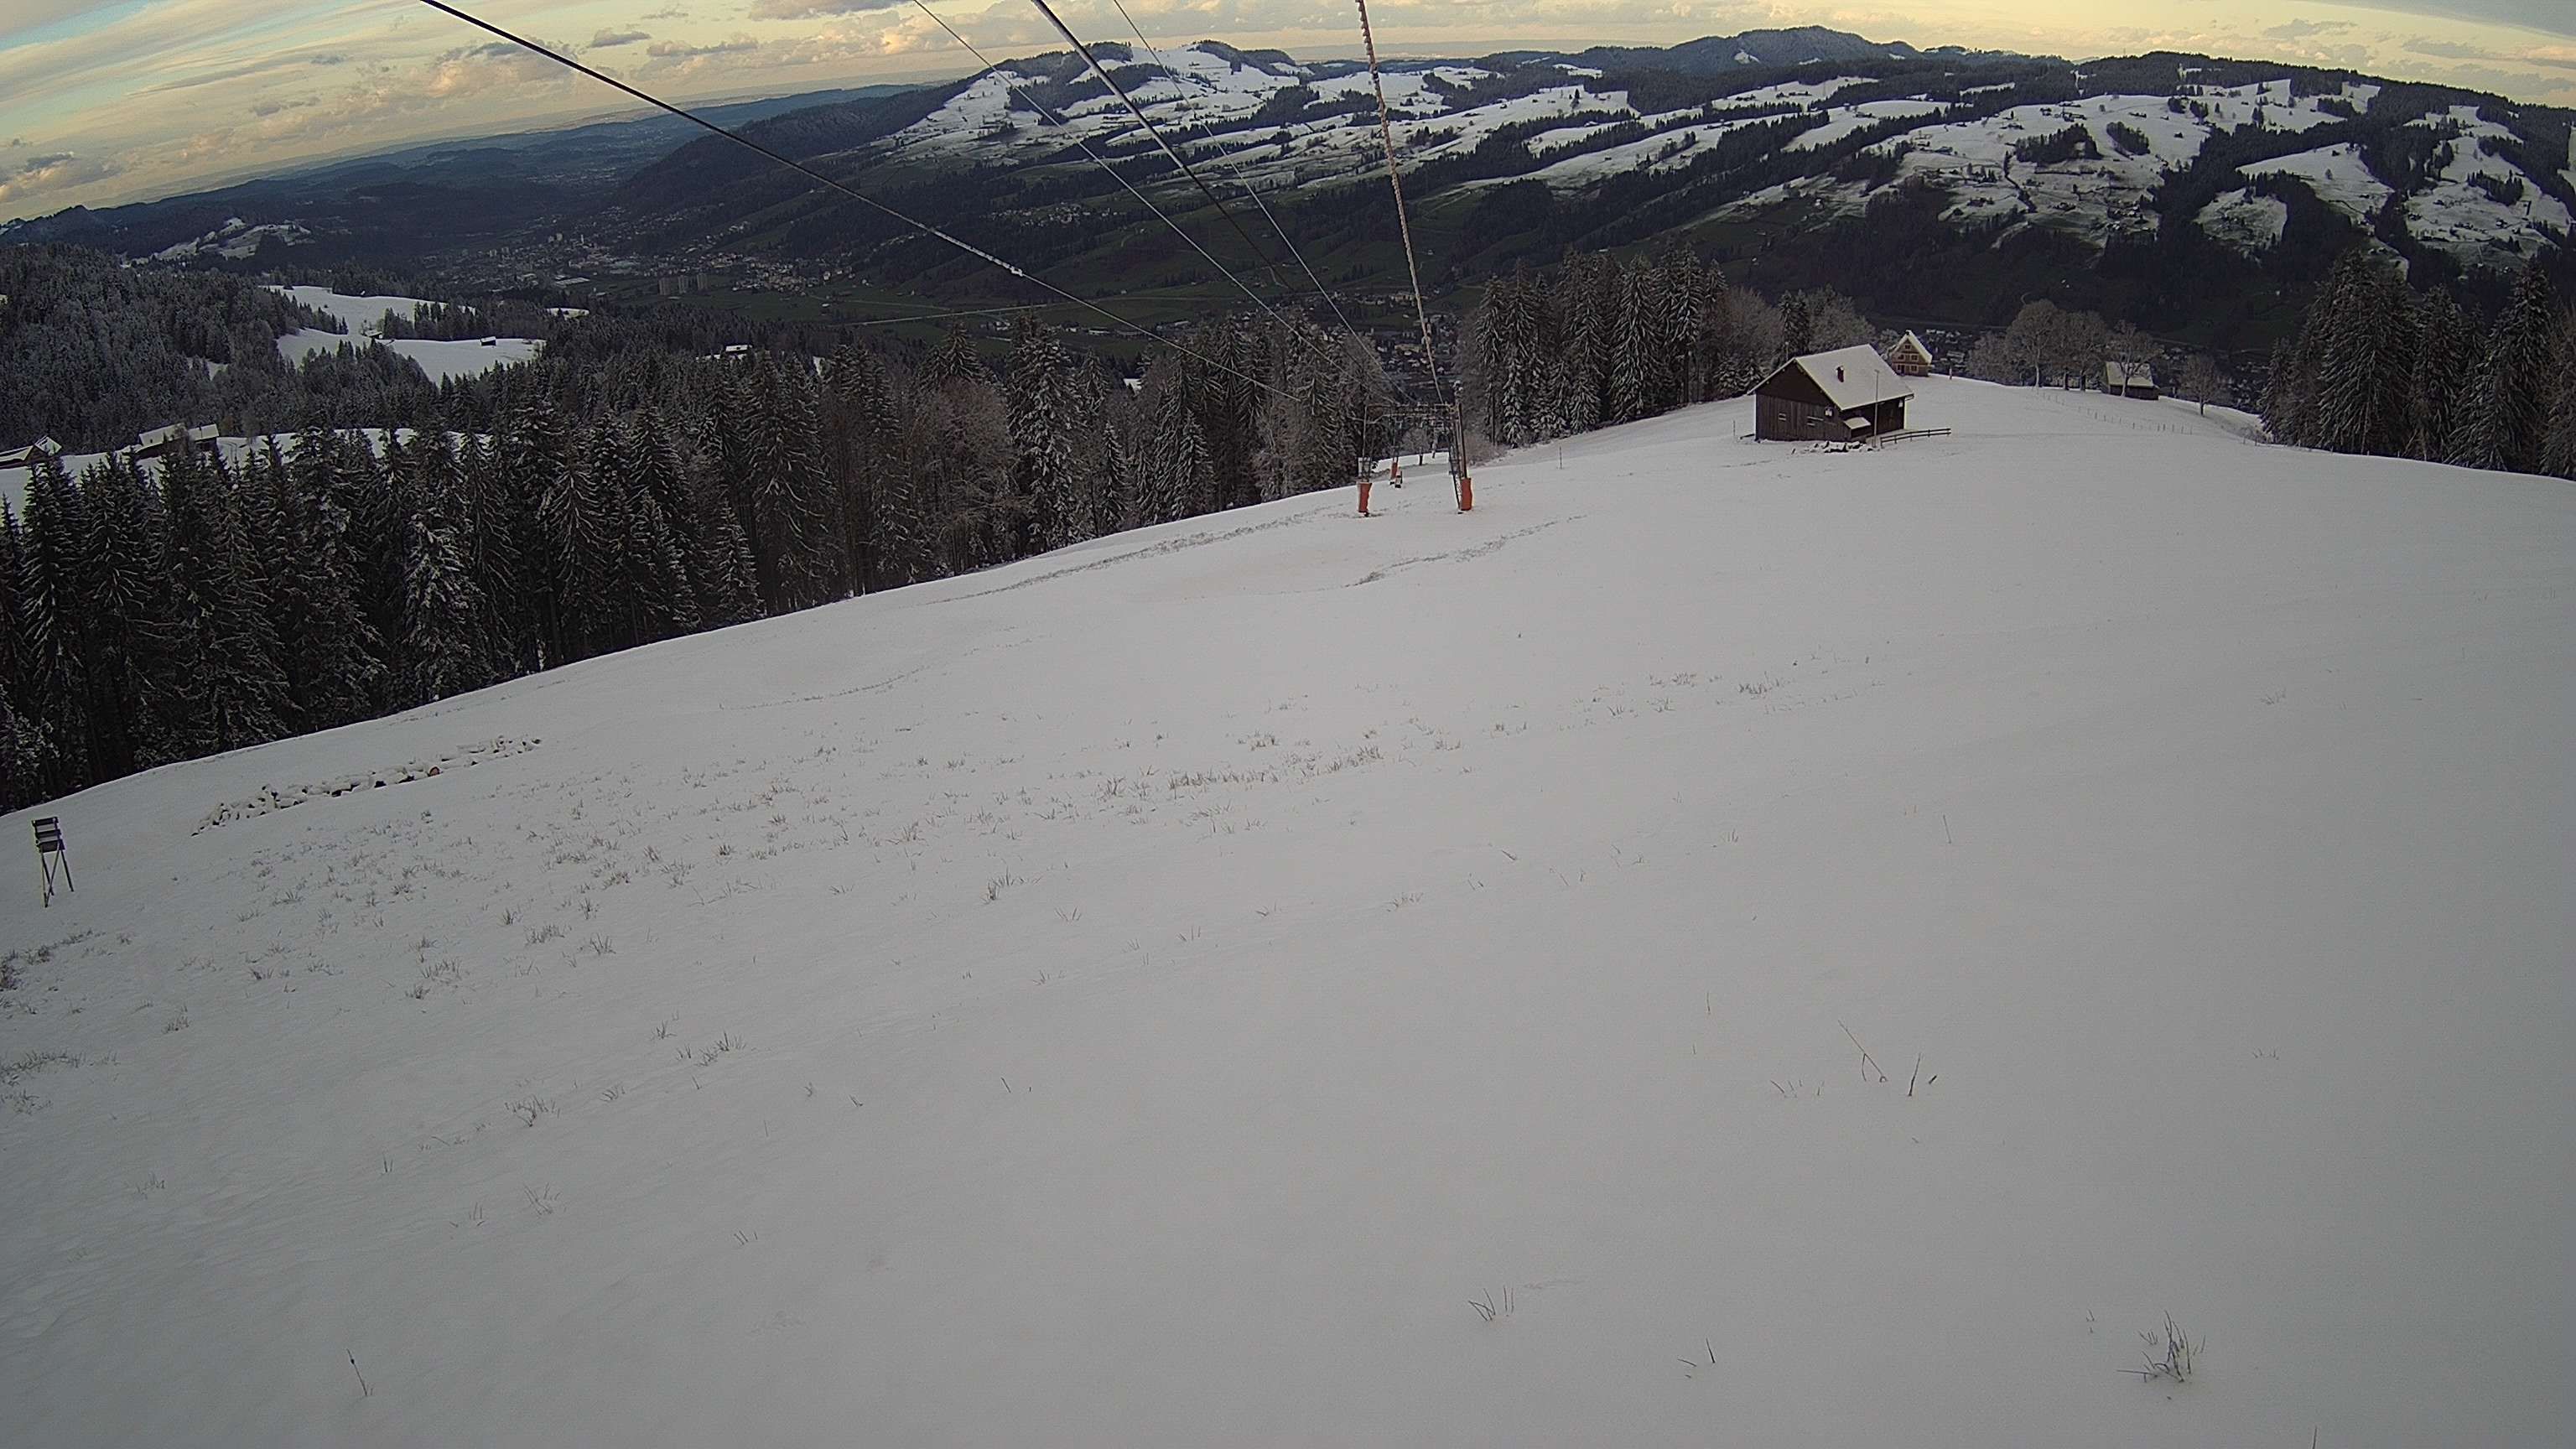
(1058, 120)
(1386, 131)
(1151, 129)
(1247, 188)
(1403, 394)
(853, 193)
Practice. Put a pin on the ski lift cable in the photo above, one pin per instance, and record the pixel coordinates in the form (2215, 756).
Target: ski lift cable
(882, 208)
(1403, 393)
(933, 313)
(1247, 188)
(1386, 132)
(1151, 129)
(1054, 118)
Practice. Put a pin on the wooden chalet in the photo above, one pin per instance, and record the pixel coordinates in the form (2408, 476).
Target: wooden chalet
(2129, 379)
(1909, 357)
(28, 456)
(162, 442)
(1844, 395)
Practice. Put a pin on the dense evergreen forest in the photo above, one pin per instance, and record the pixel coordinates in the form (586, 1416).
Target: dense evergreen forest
(613, 493)
(403, 542)
(2378, 368)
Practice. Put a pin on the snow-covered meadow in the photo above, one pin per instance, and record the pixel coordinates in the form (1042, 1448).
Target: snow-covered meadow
(1234, 983)
(440, 358)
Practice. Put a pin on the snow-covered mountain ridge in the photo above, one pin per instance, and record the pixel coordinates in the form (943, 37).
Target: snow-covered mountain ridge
(2107, 153)
(1144, 993)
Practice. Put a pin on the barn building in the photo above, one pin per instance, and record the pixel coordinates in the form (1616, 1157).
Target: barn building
(1909, 357)
(162, 442)
(1843, 395)
(27, 456)
(2129, 379)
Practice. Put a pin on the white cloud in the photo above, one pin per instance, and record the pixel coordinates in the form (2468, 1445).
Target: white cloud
(55, 171)
(809, 9)
(681, 50)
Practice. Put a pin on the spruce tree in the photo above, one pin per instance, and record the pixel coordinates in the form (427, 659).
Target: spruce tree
(583, 520)
(2446, 355)
(54, 572)
(334, 659)
(444, 651)
(1042, 438)
(654, 583)
(26, 754)
(230, 692)
(721, 573)
(1797, 331)
(2365, 379)
(536, 454)
(1179, 459)
(791, 538)
(2558, 445)
(1588, 331)
(1680, 295)
(954, 360)
(2507, 418)
(862, 434)
(1634, 366)
(132, 674)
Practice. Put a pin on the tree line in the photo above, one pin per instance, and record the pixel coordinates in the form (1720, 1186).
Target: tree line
(157, 611)
(2380, 368)
(1604, 341)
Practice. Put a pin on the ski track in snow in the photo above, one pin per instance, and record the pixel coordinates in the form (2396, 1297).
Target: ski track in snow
(1143, 998)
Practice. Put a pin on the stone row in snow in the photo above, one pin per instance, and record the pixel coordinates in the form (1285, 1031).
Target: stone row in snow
(268, 799)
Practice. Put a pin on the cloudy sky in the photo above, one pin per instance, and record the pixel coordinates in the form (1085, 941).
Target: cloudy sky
(128, 100)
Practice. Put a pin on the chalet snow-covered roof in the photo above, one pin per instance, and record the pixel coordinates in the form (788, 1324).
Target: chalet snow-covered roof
(2128, 374)
(1851, 377)
(1912, 341)
(24, 457)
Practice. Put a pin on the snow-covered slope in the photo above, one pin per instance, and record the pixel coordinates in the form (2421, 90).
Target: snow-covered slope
(2337, 174)
(2086, 152)
(2244, 220)
(364, 316)
(2453, 212)
(1141, 995)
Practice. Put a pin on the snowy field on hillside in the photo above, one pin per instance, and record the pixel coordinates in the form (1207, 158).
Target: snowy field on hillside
(2455, 213)
(1723, 944)
(442, 359)
(2336, 173)
(2244, 220)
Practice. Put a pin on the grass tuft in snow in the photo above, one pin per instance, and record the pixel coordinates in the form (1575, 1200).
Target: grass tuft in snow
(2171, 1354)
(33, 1061)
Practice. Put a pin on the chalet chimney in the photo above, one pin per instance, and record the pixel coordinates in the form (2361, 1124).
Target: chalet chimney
(1838, 374)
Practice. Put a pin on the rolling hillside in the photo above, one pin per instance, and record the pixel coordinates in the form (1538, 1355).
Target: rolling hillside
(1234, 982)
(2185, 193)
